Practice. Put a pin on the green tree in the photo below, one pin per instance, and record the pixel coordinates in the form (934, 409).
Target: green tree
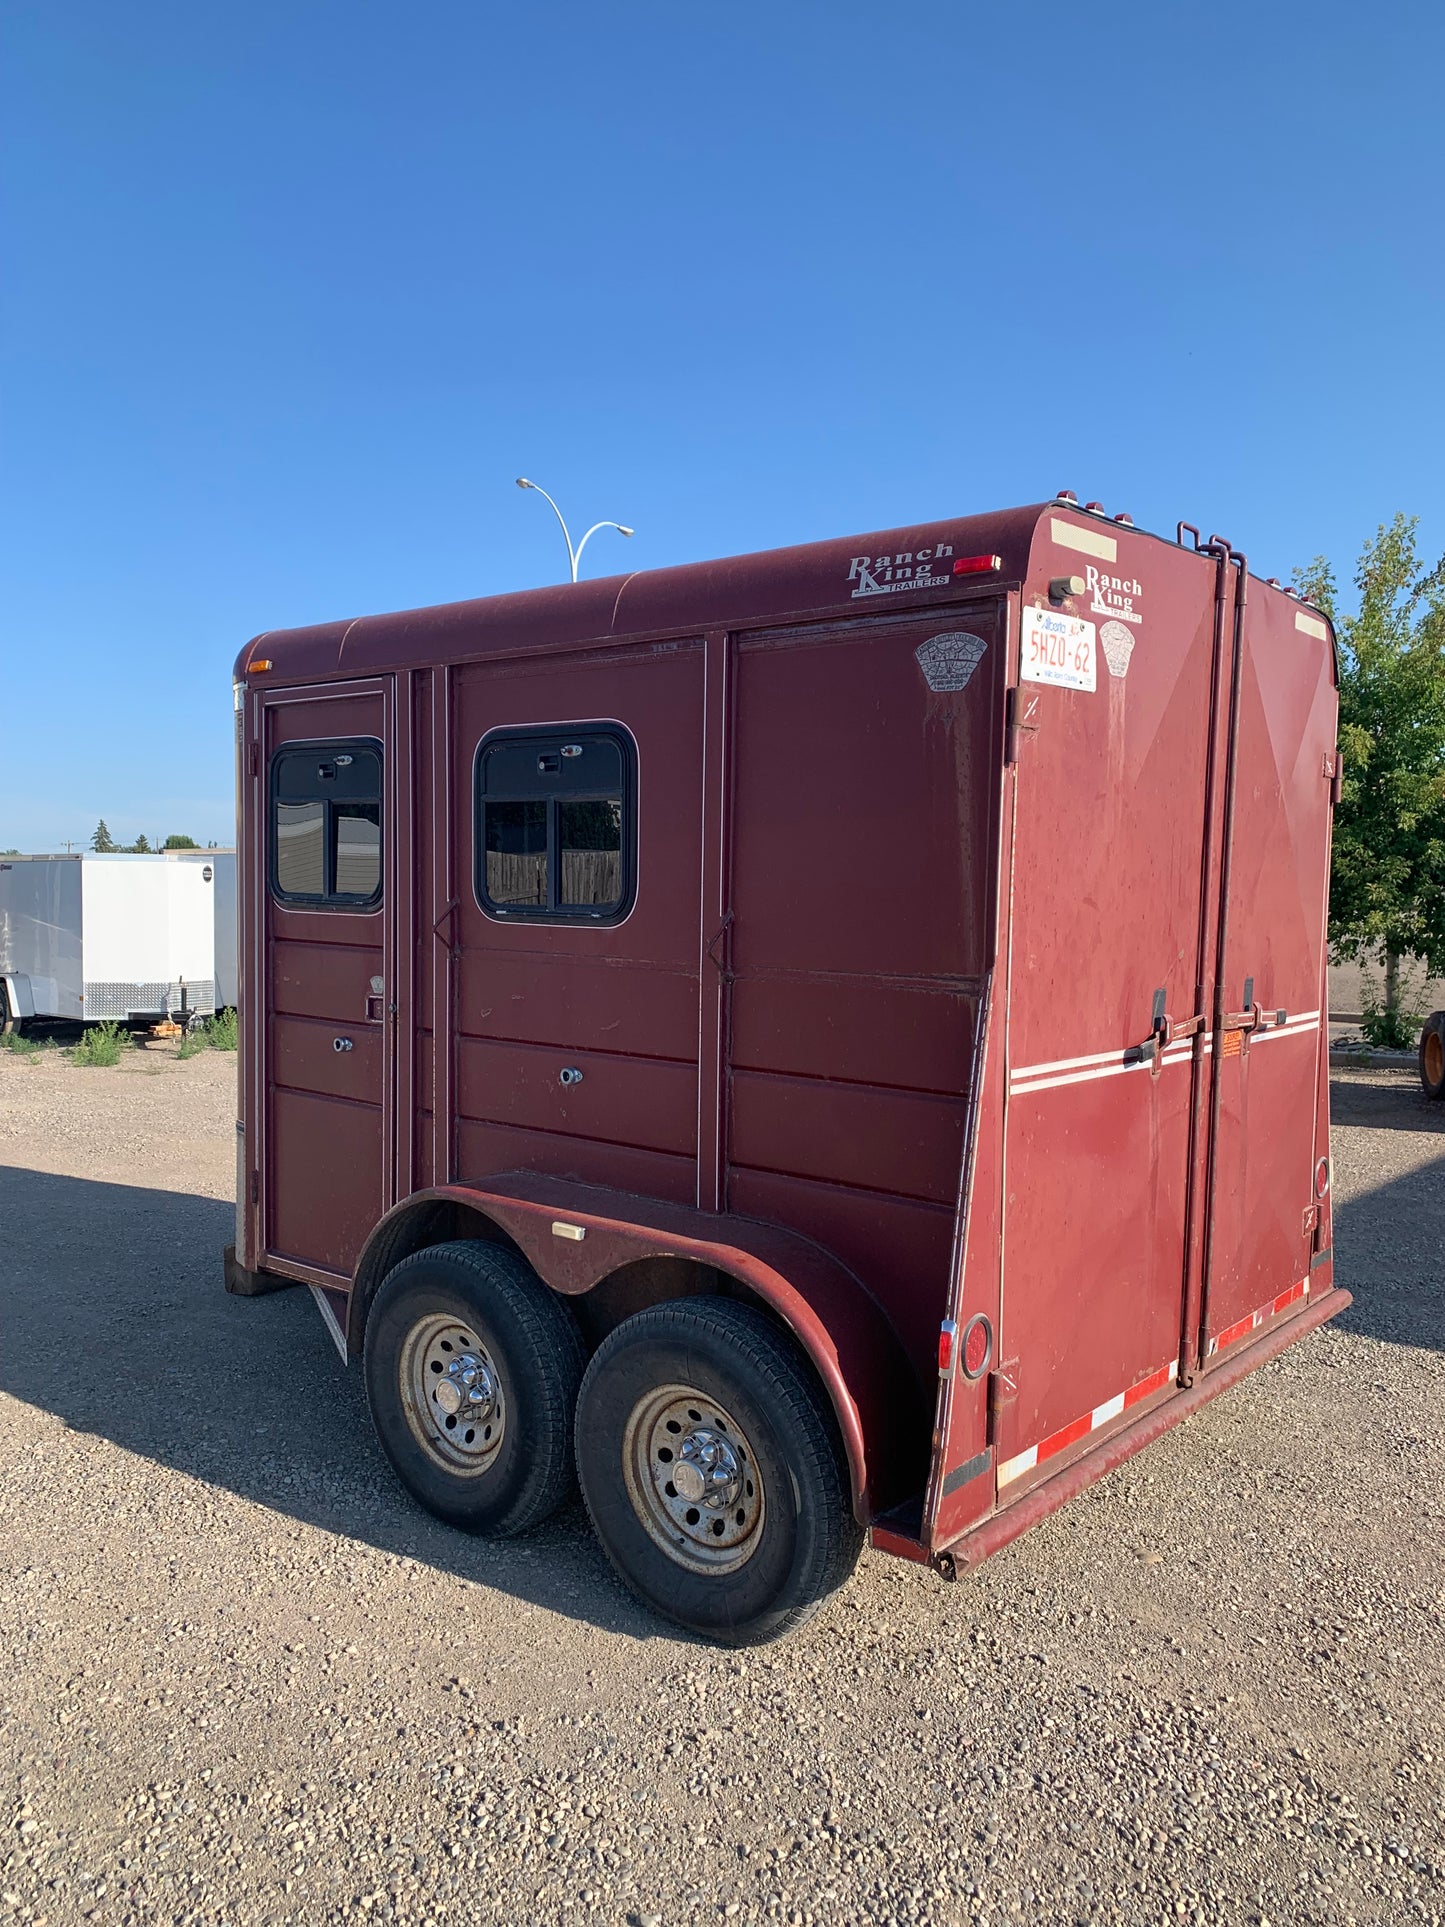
(140, 847)
(180, 843)
(1387, 890)
(101, 840)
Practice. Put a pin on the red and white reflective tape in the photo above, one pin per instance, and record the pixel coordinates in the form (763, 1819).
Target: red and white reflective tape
(1252, 1323)
(1091, 1421)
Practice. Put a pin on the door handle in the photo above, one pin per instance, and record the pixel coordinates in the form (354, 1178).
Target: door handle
(1164, 1033)
(341, 1043)
(1153, 1044)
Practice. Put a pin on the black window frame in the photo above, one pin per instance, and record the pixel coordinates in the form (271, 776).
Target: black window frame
(332, 901)
(579, 917)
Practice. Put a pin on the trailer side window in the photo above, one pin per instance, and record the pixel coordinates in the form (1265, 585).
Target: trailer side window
(326, 825)
(556, 832)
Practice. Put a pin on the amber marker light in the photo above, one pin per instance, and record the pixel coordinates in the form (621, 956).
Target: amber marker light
(258, 666)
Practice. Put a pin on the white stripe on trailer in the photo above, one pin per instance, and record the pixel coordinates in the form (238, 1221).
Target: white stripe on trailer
(1080, 1428)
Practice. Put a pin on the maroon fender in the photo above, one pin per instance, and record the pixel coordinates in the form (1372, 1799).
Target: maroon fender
(845, 1334)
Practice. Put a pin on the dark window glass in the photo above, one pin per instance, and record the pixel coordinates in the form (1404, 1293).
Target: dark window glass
(326, 825)
(556, 838)
(591, 840)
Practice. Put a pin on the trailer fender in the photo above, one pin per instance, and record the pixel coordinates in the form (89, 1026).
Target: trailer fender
(18, 1002)
(576, 1236)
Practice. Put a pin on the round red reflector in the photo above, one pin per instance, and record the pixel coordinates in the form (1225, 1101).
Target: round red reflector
(1322, 1178)
(977, 1346)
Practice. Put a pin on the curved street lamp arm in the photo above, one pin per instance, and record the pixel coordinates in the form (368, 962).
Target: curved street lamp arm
(572, 554)
(591, 532)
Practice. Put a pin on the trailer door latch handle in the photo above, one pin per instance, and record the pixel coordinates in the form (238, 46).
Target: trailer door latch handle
(341, 1043)
(1159, 1033)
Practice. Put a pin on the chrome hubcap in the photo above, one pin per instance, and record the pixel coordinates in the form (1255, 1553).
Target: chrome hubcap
(452, 1395)
(693, 1479)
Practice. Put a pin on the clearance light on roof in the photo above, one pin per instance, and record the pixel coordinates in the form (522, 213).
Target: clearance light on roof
(258, 666)
(977, 564)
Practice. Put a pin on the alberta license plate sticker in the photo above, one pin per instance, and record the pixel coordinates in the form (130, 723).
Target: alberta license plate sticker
(1057, 648)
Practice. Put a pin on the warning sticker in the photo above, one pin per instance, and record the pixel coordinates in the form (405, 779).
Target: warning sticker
(1057, 648)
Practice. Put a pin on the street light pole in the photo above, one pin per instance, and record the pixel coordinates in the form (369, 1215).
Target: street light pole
(574, 556)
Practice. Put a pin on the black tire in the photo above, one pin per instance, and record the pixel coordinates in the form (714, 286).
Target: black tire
(532, 1358)
(805, 1541)
(1432, 1055)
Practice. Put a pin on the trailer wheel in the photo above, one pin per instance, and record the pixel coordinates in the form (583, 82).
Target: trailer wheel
(472, 1368)
(1432, 1055)
(713, 1471)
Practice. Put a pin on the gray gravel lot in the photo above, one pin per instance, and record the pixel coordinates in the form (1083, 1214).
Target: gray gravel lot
(243, 1680)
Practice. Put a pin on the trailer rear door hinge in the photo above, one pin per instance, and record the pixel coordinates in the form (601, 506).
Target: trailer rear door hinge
(255, 1187)
(253, 761)
(1015, 728)
(1003, 1389)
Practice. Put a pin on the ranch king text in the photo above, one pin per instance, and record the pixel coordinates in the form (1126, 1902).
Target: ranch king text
(1113, 595)
(885, 574)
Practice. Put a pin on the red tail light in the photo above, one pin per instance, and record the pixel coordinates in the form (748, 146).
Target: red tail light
(977, 564)
(948, 1331)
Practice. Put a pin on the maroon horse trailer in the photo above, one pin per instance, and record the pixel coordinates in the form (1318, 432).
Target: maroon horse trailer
(818, 1046)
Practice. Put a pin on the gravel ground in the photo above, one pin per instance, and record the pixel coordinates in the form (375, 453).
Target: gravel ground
(243, 1680)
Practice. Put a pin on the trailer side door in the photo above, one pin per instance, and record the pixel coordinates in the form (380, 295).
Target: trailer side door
(327, 881)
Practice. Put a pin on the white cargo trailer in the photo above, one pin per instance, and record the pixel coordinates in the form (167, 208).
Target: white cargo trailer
(222, 864)
(123, 937)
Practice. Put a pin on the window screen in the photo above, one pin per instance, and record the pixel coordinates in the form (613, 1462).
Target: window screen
(556, 835)
(326, 825)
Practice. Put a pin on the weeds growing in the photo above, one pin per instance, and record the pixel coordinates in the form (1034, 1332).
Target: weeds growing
(101, 1046)
(192, 1044)
(221, 1030)
(19, 1046)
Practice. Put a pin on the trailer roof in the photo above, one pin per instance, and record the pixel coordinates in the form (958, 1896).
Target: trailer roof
(845, 577)
(805, 582)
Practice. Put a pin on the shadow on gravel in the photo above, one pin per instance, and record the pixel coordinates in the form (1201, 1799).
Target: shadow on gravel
(1399, 1105)
(1390, 1242)
(113, 1317)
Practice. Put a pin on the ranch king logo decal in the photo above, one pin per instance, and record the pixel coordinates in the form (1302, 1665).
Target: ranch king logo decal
(887, 574)
(1113, 595)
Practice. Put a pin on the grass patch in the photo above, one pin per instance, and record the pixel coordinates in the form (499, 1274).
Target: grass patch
(101, 1046)
(192, 1044)
(221, 1030)
(20, 1046)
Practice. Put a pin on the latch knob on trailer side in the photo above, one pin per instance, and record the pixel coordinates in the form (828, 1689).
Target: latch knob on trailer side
(569, 1076)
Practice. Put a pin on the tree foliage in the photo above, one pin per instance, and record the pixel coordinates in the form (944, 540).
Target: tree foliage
(1388, 884)
(101, 840)
(180, 843)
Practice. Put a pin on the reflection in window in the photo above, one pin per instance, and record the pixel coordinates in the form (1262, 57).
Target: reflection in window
(517, 853)
(591, 840)
(356, 850)
(301, 849)
(326, 825)
(556, 836)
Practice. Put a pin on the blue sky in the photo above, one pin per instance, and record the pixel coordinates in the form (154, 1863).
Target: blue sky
(292, 292)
